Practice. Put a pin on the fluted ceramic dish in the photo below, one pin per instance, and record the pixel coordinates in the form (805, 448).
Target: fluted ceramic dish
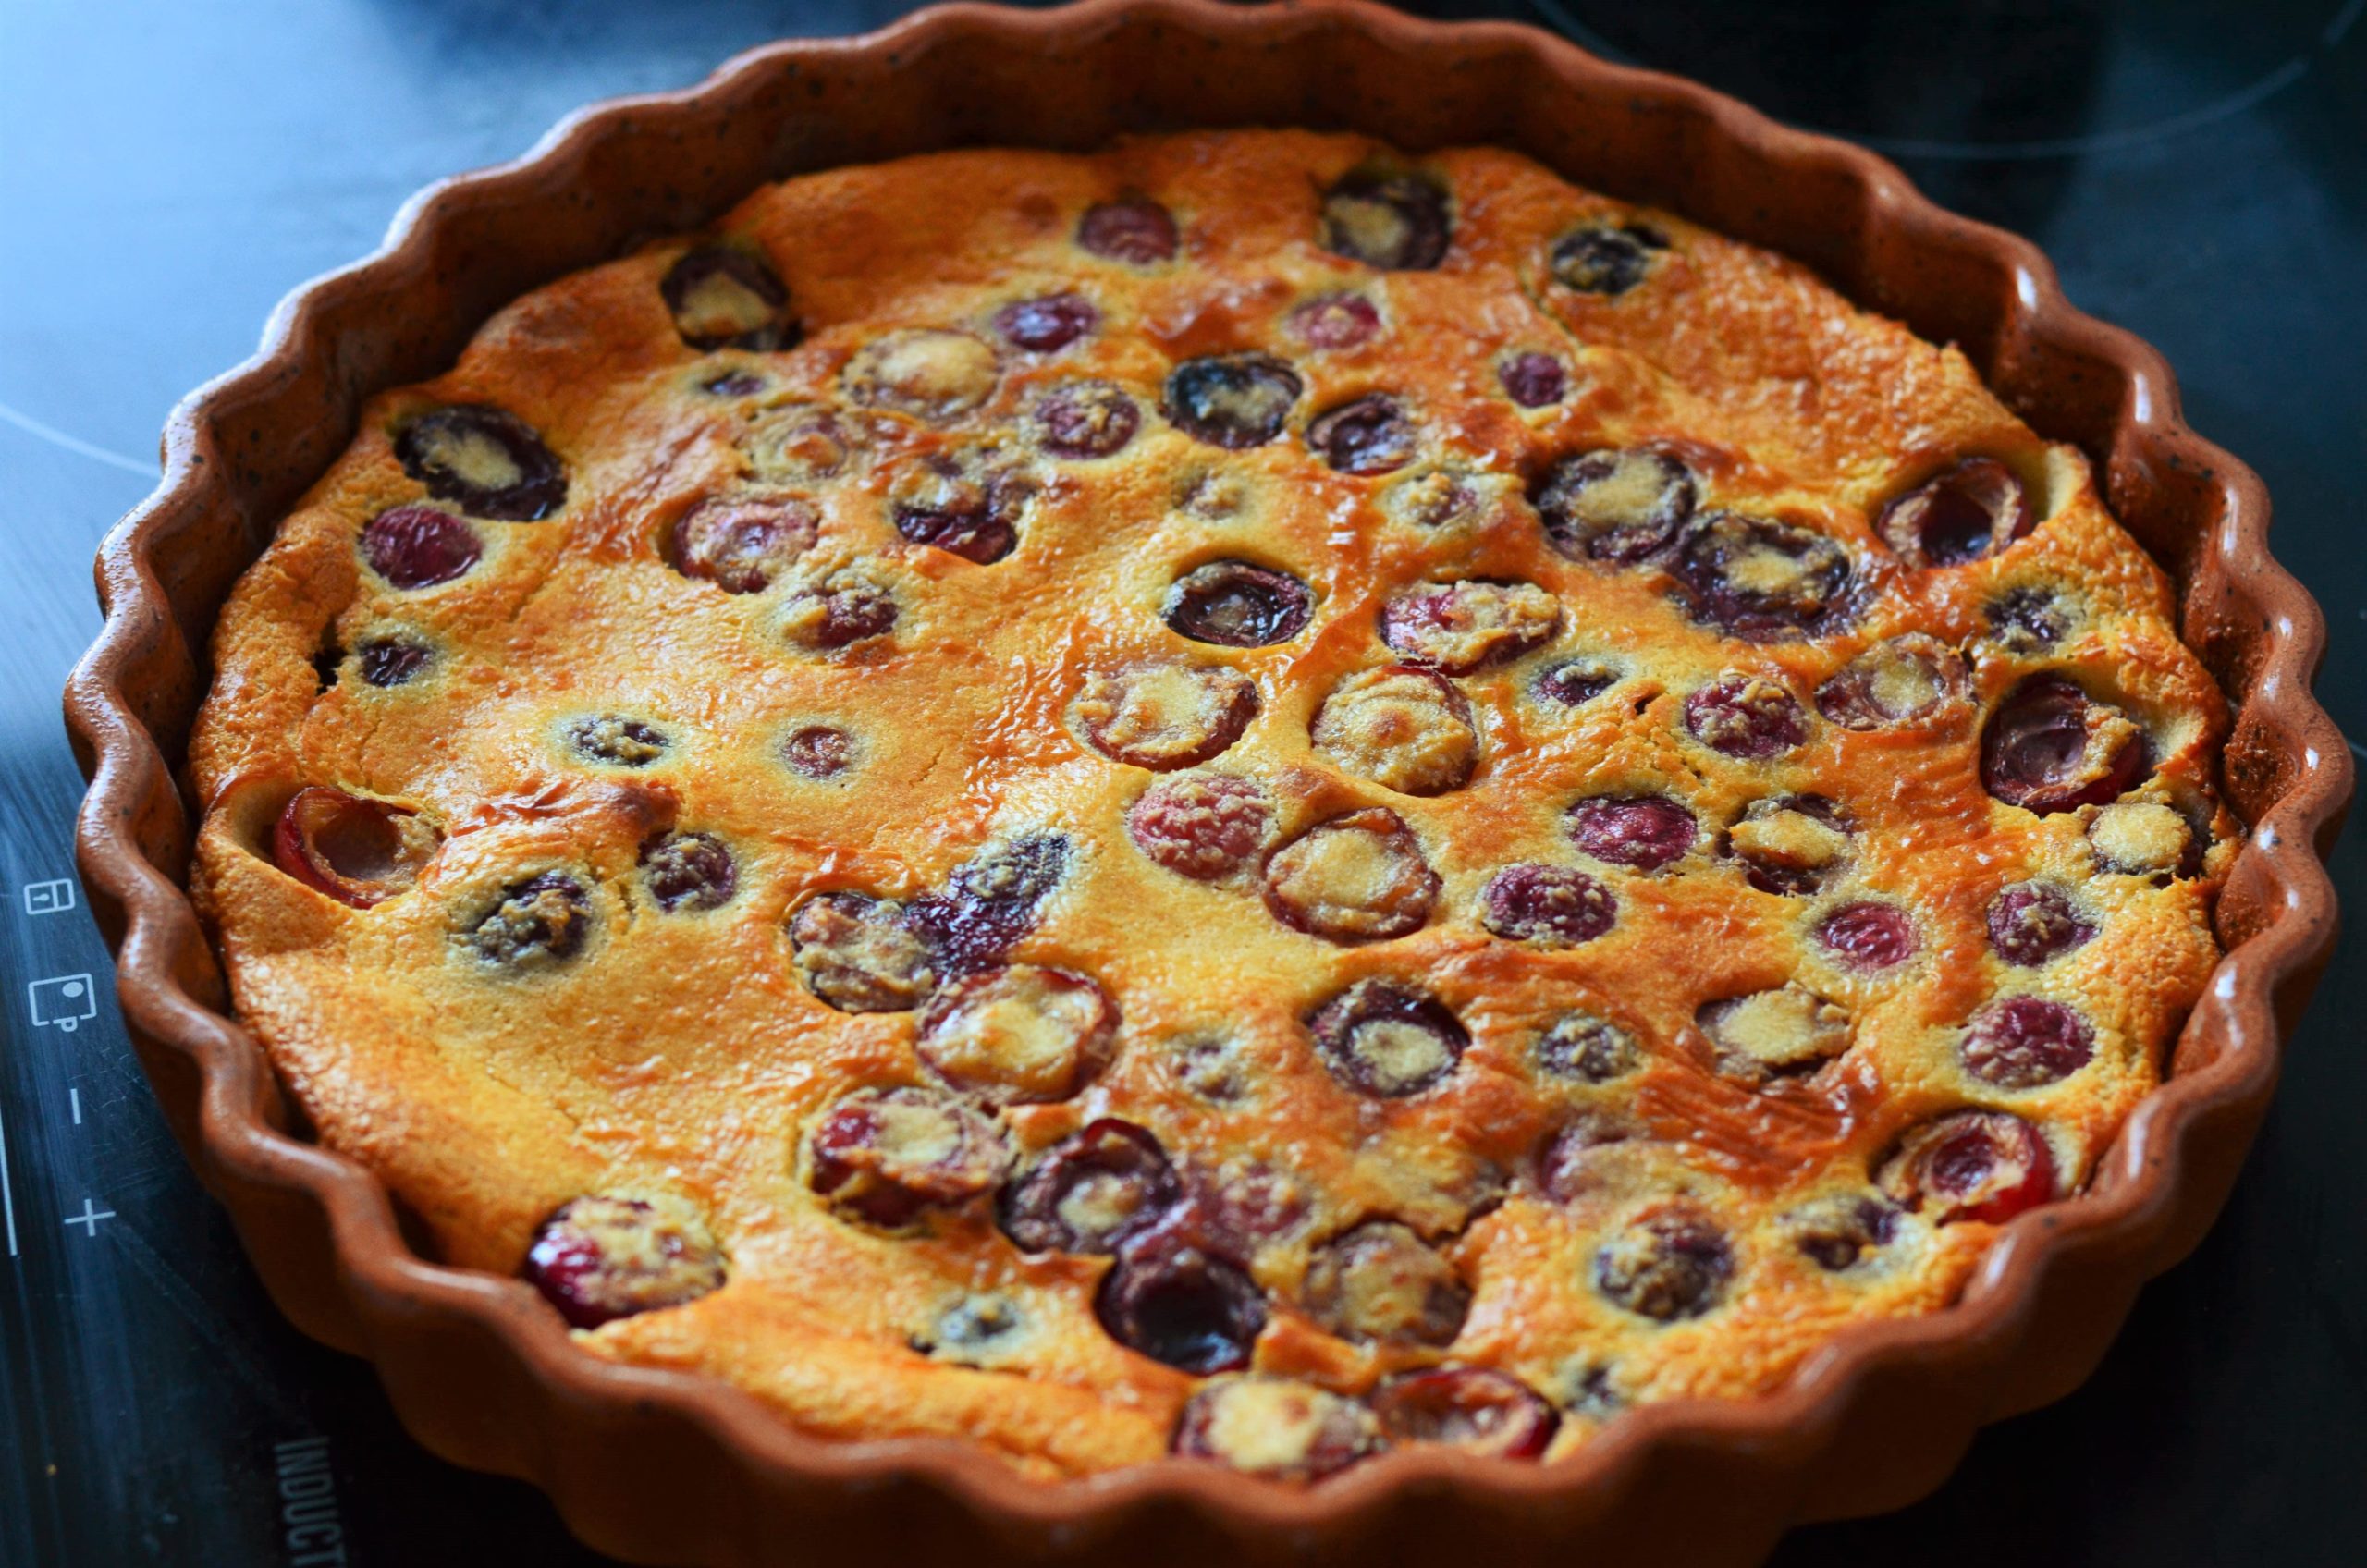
(670, 1468)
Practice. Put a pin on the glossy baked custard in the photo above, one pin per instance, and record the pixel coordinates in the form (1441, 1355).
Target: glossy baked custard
(1244, 797)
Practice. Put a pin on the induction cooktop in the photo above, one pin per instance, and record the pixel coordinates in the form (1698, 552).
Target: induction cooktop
(2199, 171)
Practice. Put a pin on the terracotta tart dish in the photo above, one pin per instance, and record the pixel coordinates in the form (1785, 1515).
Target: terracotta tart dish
(1459, 827)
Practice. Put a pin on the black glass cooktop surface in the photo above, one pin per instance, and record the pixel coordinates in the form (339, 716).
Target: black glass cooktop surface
(2199, 171)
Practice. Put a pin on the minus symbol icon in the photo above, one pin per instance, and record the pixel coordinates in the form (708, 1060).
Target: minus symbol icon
(74, 1098)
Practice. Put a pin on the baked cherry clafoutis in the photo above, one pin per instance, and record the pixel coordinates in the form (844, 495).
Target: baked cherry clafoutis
(1245, 797)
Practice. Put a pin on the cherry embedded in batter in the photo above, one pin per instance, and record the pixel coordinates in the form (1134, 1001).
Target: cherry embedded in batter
(1202, 826)
(1669, 1265)
(741, 542)
(1048, 325)
(484, 460)
(1642, 832)
(1979, 1165)
(1387, 1039)
(1231, 400)
(1552, 905)
(1403, 728)
(1276, 1428)
(1084, 420)
(1605, 257)
(1868, 935)
(843, 609)
(2050, 747)
(861, 954)
(1972, 509)
(2033, 924)
(1570, 1166)
(1475, 1408)
(1749, 717)
(1574, 682)
(1356, 878)
(597, 1259)
(886, 1157)
(1759, 579)
(1369, 434)
(1533, 380)
(723, 295)
(1911, 680)
(1380, 1283)
(818, 752)
(1464, 627)
(1133, 229)
(1177, 1303)
(392, 661)
(360, 852)
(991, 901)
(969, 508)
(1396, 222)
(536, 923)
(1163, 715)
(1790, 844)
(618, 741)
(1017, 1034)
(415, 547)
(2026, 1043)
(1615, 506)
(1236, 603)
(930, 373)
(1092, 1191)
(1838, 1231)
(1583, 1048)
(688, 872)
(1433, 495)
(2029, 619)
(1335, 321)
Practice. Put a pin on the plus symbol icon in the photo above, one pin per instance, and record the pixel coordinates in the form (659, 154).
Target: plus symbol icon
(89, 1216)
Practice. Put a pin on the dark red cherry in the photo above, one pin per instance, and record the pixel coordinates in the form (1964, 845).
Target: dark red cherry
(1235, 603)
(419, 546)
(1550, 904)
(1588, 1049)
(2029, 619)
(1163, 715)
(1476, 1408)
(887, 1155)
(1669, 1265)
(392, 661)
(1386, 1040)
(1748, 717)
(1276, 1428)
(1614, 506)
(1983, 1165)
(1335, 321)
(1085, 420)
(845, 608)
(1908, 680)
(2050, 747)
(2026, 1043)
(1134, 229)
(1644, 832)
(1567, 1167)
(688, 872)
(1835, 1232)
(1018, 1034)
(540, 921)
(1175, 1302)
(742, 543)
(484, 461)
(599, 1258)
(861, 954)
(1380, 1283)
(1204, 825)
(1461, 627)
(1790, 843)
(1231, 400)
(1533, 380)
(1605, 257)
(1356, 878)
(957, 508)
(1575, 681)
(1048, 325)
(991, 901)
(1371, 434)
(723, 296)
(1397, 222)
(1092, 1191)
(1972, 509)
(1868, 936)
(818, 752)
(2035, 923)
(360, 852)
(616, 740)
(1757, 579)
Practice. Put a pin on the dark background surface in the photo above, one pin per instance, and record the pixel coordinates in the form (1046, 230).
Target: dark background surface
(169, 171)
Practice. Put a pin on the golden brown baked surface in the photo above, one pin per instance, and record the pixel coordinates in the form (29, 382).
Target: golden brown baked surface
(1237, 794)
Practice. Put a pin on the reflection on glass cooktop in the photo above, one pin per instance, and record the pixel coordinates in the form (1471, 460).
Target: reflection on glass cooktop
(2196, 169)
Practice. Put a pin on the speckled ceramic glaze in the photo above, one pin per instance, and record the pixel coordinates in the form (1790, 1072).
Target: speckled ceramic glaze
(663, 1467)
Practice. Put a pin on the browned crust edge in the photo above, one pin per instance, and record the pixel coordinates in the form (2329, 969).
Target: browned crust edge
(666, 1466)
